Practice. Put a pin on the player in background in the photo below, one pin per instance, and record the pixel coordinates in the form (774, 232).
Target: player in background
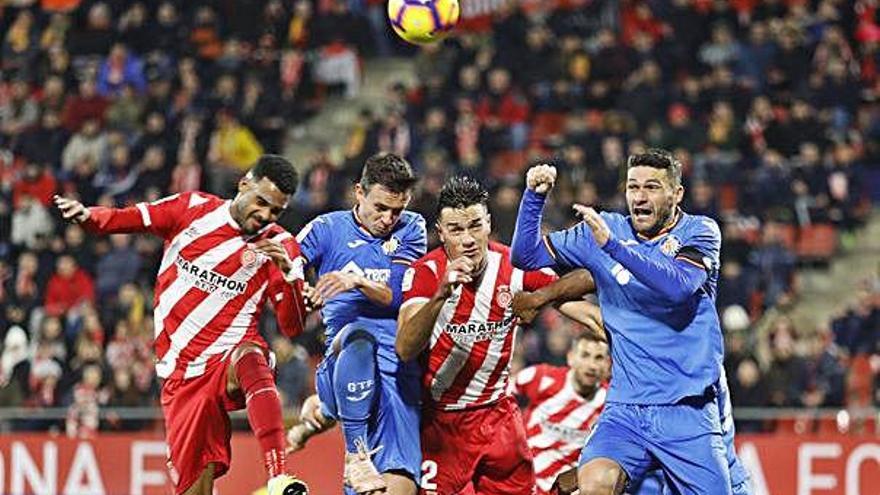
(457, 319)
(563, 404)
(656, 271)
(360, 256)
(223, 260)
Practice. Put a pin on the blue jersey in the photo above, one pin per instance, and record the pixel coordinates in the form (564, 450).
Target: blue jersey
(662, 350)
(337, 242)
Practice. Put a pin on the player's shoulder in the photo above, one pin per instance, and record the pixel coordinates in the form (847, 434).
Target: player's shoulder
(700, 225)
(544, 378)
(502, 249)
(333, 218)
(435, 260)
(411, 224)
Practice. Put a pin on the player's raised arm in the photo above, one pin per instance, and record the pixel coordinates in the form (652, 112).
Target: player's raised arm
(159, 217)
(528, 249)
(424, 297)
(675, 278)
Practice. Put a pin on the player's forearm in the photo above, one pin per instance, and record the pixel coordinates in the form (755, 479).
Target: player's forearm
(116, 220)
(528, 251)
(585, 313)
(290, 308)
(571, 286)
(377, 292)
(675, 280)
(414, 333)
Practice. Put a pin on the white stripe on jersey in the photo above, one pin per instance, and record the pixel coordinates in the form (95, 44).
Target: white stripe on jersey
(145, 214)
(461, 352)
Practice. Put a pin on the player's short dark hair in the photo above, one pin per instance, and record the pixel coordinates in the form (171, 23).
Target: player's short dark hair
(657, 158)
(462, 191)
(390, 171)
(588, 336)
(279, 170)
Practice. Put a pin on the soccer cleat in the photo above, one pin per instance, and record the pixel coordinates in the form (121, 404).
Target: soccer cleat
(360, 472)
(284, 484)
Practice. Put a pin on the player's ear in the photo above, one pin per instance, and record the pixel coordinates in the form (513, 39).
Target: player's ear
(679, 193)
(488, 223)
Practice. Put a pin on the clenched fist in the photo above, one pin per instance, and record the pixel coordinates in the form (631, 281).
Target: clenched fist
(541, 178)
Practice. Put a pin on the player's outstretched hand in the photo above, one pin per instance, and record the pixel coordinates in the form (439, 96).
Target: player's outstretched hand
(526, 306)
(333, 283)
(458, 272)
(274, 250)
(597, 224)
(72, 210)
(541, 178)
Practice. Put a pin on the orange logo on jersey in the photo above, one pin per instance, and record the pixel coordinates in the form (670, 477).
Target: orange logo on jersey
(504, 297)
(248, 257)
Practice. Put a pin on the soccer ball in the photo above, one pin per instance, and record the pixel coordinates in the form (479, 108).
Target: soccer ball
(423, 21)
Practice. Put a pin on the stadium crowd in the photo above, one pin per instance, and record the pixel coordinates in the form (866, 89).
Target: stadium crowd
(773, 107)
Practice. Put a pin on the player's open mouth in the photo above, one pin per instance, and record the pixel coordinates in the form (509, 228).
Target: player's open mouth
(642, 213)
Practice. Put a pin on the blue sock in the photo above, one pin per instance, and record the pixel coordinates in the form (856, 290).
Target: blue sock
(354, 385)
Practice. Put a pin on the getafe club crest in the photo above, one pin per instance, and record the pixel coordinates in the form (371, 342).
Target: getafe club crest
(390, 245)
(503, 296)
(248, 257)
(670, 245)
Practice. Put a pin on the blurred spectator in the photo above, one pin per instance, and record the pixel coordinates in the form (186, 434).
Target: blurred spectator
(88, 396)
(17, 113)
(119, 266)
(31, 223)
(121, 69)
(69, 287)
(14, 368)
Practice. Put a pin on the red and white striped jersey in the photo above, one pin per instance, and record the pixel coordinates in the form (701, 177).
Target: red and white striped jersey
(468, 361)
(211, 286)
(557, 419)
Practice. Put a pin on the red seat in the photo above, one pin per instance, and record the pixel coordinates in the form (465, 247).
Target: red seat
(817, 242)
(546, 124)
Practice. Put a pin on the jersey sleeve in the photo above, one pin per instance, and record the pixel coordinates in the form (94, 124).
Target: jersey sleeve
(573, 247)
(414, 242)
(161, 217)
(703, 247)
(537, 279)
(419, 283)
(286, 290)
(315, 239)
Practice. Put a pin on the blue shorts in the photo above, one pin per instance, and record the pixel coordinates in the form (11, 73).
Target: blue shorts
(684, 440)
(394, 421)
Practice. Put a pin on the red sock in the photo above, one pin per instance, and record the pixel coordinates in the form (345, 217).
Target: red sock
(263, 409)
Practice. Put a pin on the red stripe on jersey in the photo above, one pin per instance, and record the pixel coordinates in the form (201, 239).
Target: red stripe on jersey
(565, 411)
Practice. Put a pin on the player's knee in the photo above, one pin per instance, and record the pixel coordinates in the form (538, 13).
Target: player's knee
(359, 340)
(601, 480)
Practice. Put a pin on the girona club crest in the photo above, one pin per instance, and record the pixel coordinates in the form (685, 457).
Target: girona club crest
(503, 296)
(248, 257)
